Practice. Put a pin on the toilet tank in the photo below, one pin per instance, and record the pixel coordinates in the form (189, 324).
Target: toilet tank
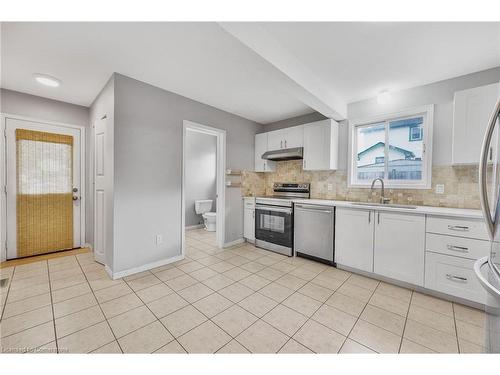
(202, 206)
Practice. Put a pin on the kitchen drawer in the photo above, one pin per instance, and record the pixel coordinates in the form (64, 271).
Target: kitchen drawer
(249, 202)
(454, 276)
(457, 246)
(457, 227)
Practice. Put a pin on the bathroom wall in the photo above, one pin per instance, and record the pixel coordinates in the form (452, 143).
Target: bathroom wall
(201, 172)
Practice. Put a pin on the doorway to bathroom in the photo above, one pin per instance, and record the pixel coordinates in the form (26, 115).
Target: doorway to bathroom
(203, 166)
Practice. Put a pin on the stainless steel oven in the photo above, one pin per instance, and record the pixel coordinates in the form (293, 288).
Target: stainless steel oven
(274, 217)
(274, 228)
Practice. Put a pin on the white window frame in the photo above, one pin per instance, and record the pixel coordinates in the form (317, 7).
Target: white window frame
(427, 111)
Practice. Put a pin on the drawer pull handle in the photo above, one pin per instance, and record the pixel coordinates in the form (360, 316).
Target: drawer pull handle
(461, 228)
(459, 279)
(460, 249)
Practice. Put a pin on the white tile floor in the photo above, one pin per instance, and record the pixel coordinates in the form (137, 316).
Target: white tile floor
(237, 300)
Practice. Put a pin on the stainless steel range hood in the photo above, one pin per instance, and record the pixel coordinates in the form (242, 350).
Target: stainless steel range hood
(285, 154)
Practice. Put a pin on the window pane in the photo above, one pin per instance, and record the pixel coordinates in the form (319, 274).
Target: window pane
(405, 149)
(370, 158)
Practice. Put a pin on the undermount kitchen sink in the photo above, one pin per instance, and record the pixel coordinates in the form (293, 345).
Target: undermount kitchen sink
(384, 205)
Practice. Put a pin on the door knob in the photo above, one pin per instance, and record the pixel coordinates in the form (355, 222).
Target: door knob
(75, 189)
(75, 198)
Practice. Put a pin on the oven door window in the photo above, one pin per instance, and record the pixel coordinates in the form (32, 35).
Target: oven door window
(272, 223)
(274, 227)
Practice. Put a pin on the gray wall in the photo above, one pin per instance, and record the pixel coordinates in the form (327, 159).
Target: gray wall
(148, 159)
(294, 121)
(104, 105)
(18, 103)
(201, 172)
(440, 94)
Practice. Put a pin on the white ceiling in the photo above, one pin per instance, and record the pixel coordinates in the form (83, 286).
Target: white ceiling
(202, 61)
(198, 60)
(360, 59)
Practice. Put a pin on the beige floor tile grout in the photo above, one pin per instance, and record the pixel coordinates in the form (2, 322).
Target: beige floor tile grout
(406, 320)
(358, 318)
(102, 311)
(53, 313)
(157, 319)
(309, 318)
(455, 326)
(208, 250)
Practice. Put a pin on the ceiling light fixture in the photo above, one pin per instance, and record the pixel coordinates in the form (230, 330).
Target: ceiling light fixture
(47, 80)
(383, 97)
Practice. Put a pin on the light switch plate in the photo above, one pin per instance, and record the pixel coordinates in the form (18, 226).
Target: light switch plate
(439, 189)
(329, 187)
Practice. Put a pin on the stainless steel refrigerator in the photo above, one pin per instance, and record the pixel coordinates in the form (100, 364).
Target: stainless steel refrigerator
(487, 269)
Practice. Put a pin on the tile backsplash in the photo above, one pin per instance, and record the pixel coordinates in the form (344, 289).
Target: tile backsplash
(460, 186)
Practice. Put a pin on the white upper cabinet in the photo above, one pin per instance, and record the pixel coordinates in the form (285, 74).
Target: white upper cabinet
(321, 145)
(400, 247)
(472, 109)
(262, 165)
(294, 137)
(286, 138)
(275, 139)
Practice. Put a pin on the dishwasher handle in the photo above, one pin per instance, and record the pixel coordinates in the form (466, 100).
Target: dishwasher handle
(307, 208)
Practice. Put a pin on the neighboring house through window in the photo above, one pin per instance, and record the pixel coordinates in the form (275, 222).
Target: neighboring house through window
(393, 147)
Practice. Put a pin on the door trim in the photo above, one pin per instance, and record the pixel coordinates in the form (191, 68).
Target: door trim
(3, 171)
(221, 186)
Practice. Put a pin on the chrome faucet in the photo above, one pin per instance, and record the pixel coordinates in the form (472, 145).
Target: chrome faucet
(383, 199)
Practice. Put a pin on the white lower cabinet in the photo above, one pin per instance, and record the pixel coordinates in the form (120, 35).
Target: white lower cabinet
(435, 252)
(354, 238)
(453, 275)
(249, 219)
(399, 247)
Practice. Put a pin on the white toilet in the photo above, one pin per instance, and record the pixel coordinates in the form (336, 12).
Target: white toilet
(203, 207)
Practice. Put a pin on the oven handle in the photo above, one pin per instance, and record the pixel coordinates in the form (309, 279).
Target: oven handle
(274, 209)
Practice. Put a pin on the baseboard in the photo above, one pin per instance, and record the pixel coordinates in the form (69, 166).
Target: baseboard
(88, 245)
(235, 242)
(191, 227)
(145, 267)
(108, 271)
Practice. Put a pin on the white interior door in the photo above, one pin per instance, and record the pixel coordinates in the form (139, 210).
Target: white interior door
(102, 175)
(46, 168)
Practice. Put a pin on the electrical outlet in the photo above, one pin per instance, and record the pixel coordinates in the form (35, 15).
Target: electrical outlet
(329, 187)
(440, 189)
(159, 239)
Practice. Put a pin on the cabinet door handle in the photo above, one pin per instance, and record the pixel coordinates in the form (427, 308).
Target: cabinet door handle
(285, 143)
(460, 228)
(304, 164)
(369, 217)
(458, 279)
(265, 165)
(281, 144)
(378, 218)
(460, 249)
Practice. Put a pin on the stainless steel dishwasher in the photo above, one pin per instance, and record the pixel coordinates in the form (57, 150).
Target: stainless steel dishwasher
(314, 232)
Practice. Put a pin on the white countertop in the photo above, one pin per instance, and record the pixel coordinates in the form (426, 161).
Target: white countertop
(427, 210)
